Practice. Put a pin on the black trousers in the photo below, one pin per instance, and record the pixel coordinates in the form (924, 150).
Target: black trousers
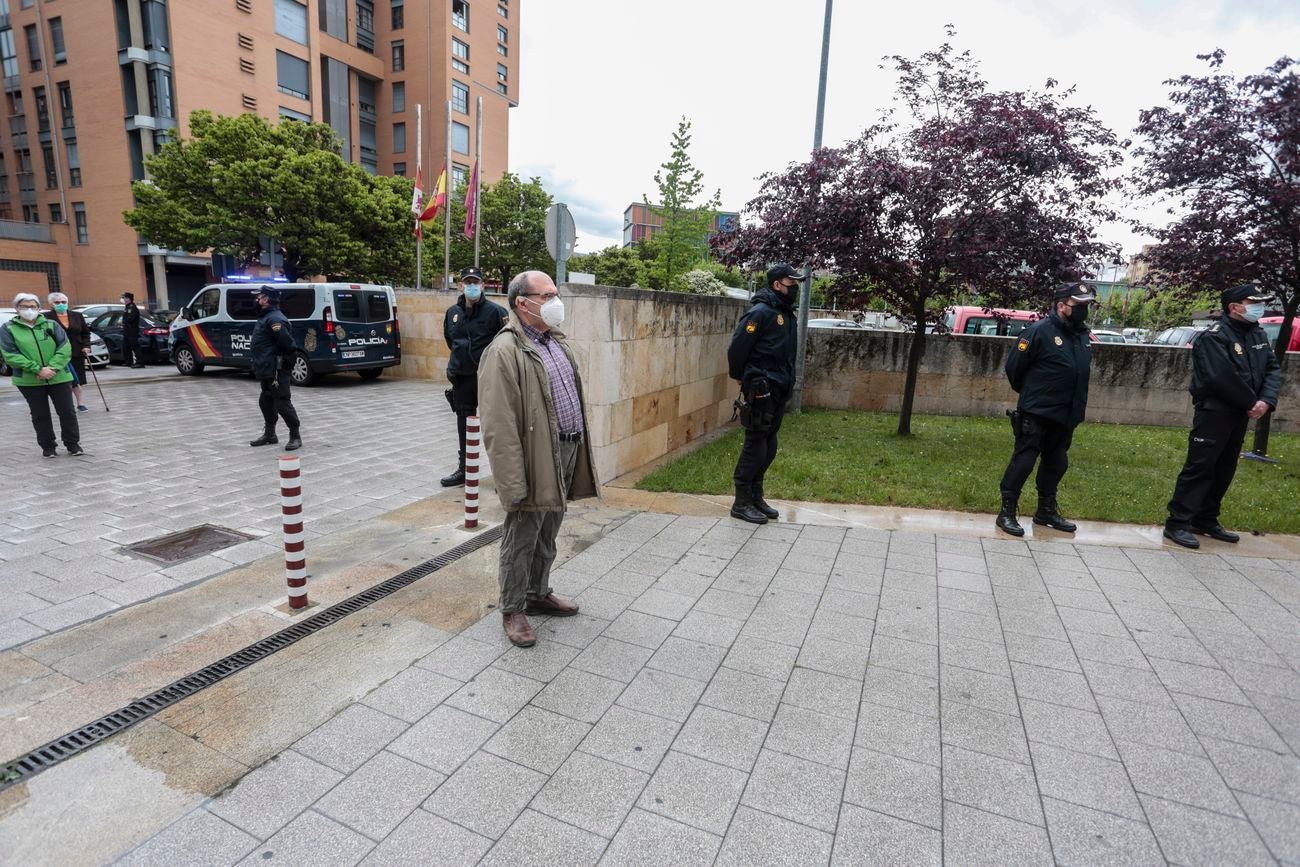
(1213, 448)
(464, 399)
(1046, 442)
(275, 400)
(130, 348)
(39, 398)
(758, 451)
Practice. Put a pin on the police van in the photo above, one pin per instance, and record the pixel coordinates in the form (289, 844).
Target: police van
(337, 327)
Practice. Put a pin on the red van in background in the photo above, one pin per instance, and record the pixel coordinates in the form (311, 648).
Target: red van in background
(1272, 326)
(976, 320)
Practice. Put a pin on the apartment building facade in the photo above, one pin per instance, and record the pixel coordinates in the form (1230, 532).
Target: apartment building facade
(90, 89)
(641, 222)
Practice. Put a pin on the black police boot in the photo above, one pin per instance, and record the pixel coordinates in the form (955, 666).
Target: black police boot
(457, 478)
(268, 438)
(1049, 515)
(294, 443)
(756, 494)
(1006, 521)
(1216, 531)
(1182, 537)
(744, 509)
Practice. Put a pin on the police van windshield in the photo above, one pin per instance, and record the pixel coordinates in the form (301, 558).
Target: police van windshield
(362, 305)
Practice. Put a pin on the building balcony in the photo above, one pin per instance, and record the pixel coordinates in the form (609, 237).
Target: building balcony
(16, 230)
(13, 82)
(143, 55)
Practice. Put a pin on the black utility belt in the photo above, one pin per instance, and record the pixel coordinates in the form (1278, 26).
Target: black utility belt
(571, 437)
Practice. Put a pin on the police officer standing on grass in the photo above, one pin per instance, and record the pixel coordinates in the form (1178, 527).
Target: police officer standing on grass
(1235, 378)
(1049, 367)
(468, 328)
(273, 352)
(762, 358)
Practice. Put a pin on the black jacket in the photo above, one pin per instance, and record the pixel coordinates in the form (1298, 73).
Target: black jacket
(1049, 366)
(765, 343)
(78, 331)
(131, 319)
(468, 329)
(1233, 366)
(272, 341)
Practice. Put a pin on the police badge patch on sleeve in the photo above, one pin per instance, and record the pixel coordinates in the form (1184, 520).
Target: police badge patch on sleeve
(1057, 340)
(1022, 345)
(780, 320)
(750, 328)
(1236, 347)
(275, 326)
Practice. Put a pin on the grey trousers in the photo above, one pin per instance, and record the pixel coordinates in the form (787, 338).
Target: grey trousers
(528, 546)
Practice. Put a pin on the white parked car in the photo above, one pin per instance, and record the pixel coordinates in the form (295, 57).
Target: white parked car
(835, 323)
(1109, 337)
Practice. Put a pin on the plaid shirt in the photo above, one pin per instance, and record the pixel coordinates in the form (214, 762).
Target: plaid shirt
(564, 384)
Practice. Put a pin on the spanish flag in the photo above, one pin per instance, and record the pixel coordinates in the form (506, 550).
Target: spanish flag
(439, 199)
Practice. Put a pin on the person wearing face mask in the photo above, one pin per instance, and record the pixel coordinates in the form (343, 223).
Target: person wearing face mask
(761, 357)
(130, 331)
(1235, 378)
(74, 325)
(535, 433)
(468, 328)
(38, 350)
(273, 350)
(1048, 366)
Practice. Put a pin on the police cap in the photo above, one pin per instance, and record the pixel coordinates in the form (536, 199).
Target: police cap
(780, 272)
(1243, 293)
(269, 291)
(1079, 292)
(471, 273)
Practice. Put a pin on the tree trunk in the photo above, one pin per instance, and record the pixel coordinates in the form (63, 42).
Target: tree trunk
(1260, 446)
(914, 354)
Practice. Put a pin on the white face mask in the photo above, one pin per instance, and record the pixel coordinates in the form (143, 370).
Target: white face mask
(1254, 312)
(29, 314)
(552, 312)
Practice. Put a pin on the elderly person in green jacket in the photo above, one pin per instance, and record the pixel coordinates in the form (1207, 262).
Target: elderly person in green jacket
(535, 433)
(38, 350)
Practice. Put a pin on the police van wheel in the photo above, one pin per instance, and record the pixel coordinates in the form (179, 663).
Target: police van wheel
(370, 373)
(186, 362)
(300, 372)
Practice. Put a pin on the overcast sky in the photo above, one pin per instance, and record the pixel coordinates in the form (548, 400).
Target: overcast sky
(603, 82)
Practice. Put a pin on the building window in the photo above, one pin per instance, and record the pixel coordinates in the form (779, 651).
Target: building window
(33, 46)
(8, 53)
(502, 49)
(42, 109)
(31, 214)
(51, 174)
(399, 96)
(366, 25)
(460, 65)
(155, 25)
(460, 15)
(502, 89)
(56, 39)
(399, 138)
(291, 20)
(503, 73)
(459, 138)
(459, 56)
(503, 12)
(293, 75)
(503, 35)
(399, 55)
(56, 214)
(459, 178)
(160, 93)
(460, 97)
(65, 105)
(74, 165)
(334, 18)
(399, 14)
(290, 114)
(366, 90)
(79, 216)
(369, 146)
(399, 169)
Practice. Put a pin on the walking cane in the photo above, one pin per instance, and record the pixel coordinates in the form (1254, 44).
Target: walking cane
(101, 391)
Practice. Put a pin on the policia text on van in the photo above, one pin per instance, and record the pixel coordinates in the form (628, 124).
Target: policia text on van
(337, 327)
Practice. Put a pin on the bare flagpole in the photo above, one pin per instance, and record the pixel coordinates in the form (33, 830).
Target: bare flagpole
(478, 178)
(446, 222)
(419, 238)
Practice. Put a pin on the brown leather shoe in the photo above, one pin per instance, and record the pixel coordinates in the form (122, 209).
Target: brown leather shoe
(552, 605)
(518, 629)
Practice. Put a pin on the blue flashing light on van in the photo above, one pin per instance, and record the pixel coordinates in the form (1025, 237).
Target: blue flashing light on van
(338, 327)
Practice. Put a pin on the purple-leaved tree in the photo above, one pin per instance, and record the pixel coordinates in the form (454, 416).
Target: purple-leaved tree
(957, 192)
(1225, 156)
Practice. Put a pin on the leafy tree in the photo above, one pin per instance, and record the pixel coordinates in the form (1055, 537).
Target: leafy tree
(958, 189)
(683, 239)
(1225, 154)
(613, 266)
(238, 179)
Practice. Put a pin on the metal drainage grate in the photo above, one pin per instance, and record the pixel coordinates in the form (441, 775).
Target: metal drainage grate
(188, 544)
(74, 742)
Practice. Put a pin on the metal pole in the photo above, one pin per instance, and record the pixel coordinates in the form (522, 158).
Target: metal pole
(478, 177)
(805, 294)
(295, 542)
(446, 203)
(419, 239)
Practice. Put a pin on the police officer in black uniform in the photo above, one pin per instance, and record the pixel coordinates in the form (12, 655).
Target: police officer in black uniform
(762, 358)
(130, 331)
(273, 351)
(1049, 367)
(468, 328)
(1235, 378)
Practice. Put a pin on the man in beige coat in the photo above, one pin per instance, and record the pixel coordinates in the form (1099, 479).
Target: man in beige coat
(535, 433)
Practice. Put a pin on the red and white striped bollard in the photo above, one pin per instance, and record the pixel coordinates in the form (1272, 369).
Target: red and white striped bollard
(295, 542)
(472, 437)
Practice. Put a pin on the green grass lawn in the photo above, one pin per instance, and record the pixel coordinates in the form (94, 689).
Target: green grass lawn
(1117, 472)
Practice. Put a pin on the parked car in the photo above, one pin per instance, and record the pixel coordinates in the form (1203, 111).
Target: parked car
(151, 345)
(1272, 326)
(338, 327)
(836, 323)
(1136, 335)
(976, 320)
(98, 352)
(1179, 335)
(1108, 337)
(92, 311)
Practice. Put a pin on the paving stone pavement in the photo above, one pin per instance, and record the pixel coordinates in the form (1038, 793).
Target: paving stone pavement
(174, 454)
(809, 695)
